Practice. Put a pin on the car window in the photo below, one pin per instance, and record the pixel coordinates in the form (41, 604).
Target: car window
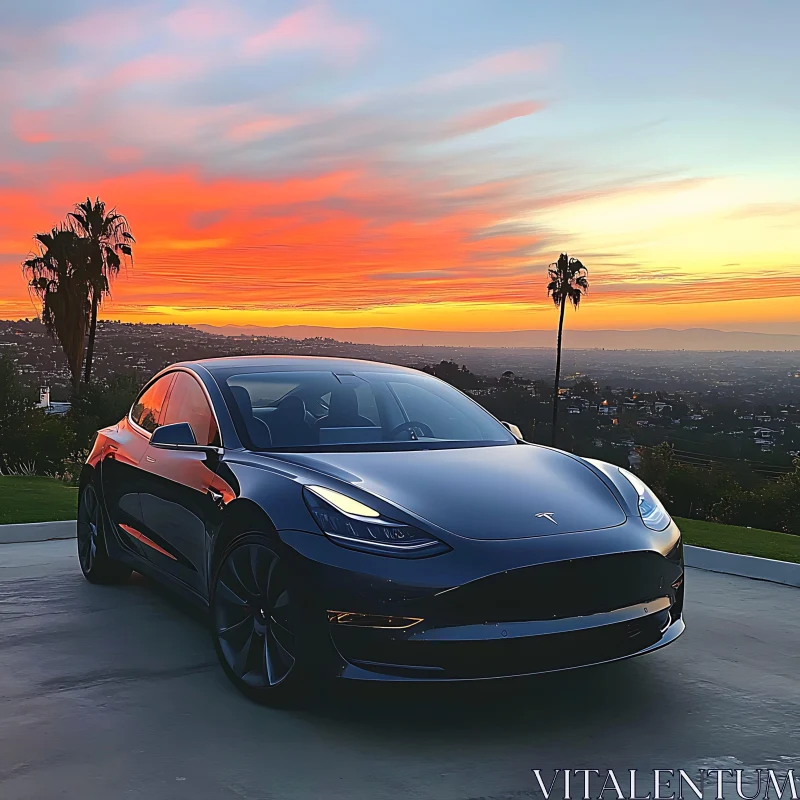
(445, 420)
(367, 406)
(187, 403)
(265, 394)
(377, 410)
(146, 411)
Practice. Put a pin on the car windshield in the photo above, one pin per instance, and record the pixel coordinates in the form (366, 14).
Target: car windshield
(364, 410)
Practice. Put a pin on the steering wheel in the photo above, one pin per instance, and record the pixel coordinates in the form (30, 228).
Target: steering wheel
(413, 427)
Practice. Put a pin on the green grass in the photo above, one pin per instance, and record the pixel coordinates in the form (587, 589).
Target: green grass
(735, 539)
(24, 499)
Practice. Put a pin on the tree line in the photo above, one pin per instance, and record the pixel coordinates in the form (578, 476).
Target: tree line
(37, 443)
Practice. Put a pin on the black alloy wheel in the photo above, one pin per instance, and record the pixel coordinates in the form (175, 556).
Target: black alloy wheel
(95, 562)
(257, 624)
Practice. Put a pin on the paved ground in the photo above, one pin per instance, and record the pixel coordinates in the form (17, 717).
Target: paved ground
(114, 693)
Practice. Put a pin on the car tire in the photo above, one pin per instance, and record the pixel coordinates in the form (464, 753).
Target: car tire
(97, 566)
(263, 626)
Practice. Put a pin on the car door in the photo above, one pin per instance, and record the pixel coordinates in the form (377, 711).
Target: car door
(120, 465)
(181, 493)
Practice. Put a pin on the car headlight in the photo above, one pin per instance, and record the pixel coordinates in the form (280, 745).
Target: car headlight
(651, 509)
(350, 523)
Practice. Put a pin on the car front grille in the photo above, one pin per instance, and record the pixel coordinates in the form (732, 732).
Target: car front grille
(555, 591)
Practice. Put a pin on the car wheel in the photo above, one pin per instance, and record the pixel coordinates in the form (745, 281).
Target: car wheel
(261, 625)
(95, 562)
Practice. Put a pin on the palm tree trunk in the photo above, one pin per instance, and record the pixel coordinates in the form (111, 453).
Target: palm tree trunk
(558, 371)
(90, 348)
(75, 369)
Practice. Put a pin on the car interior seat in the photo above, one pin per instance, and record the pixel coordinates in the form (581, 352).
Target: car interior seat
(343, 411)
(288, 423)
(258, 430)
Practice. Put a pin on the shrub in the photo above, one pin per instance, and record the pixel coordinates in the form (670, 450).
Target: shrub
(734, 496)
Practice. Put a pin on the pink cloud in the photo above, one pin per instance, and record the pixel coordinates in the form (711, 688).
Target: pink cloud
(534, 59)
(491, 116)
(513, 62)
(31, 127)
(107, 29)
(260, 127)
(196, 21)
(155, 67)
(310, 28)
(124, 154)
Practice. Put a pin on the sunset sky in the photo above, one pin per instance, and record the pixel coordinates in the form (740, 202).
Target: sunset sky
(414, 164)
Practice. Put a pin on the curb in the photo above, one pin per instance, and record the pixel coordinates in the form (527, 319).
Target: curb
(38, 531)
(761, 569)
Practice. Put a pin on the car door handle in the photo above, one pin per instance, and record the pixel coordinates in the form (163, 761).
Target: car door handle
(215, 495)
(150, 459)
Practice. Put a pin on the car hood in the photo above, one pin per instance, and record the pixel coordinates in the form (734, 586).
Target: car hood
(502, 492)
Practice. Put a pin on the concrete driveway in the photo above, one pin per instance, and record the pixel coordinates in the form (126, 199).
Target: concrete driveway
(115, 693)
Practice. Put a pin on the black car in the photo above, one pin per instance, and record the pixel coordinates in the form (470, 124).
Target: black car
(367, 521)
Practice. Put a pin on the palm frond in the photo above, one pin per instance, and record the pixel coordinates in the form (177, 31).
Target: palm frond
(568, 280)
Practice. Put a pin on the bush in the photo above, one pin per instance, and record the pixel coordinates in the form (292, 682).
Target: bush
(775, 506)
(99, 405)
(36, 443)
(33, 442)
(731, 496)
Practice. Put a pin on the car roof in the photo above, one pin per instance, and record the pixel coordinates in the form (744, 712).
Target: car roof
(304, 363)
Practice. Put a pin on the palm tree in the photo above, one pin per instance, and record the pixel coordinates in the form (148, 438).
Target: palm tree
(108, 235)
(568, 281)
(57, 277)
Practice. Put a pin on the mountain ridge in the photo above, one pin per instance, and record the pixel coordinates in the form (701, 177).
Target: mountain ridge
(699, 339)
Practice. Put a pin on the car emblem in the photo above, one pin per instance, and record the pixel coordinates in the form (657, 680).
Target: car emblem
(547, 515)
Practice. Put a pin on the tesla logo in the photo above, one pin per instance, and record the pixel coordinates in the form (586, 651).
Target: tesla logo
(547, 515)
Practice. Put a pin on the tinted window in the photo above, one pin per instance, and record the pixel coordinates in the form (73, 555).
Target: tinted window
(187, 403)
(365, 401)
(446, 420)
(146, 411)
(371, 410)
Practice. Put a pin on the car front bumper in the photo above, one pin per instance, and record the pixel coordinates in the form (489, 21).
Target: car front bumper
(496, 653)
(492, 609)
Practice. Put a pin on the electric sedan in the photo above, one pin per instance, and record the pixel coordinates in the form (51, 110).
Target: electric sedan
(351, 519)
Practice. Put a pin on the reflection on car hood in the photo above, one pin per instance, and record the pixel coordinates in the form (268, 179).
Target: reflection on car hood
(502, 492)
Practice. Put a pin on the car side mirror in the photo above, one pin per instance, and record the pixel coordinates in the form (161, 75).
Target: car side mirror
(179, 433)
(179, 436)
(512, 429)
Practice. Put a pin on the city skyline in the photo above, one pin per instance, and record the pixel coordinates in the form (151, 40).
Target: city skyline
(414, 166)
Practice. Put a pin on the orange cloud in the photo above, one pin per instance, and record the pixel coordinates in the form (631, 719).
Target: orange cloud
(345, 238)
(336, 242)
(341, 243)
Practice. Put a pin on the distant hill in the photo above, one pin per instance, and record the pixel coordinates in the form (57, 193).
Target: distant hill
(651, 339)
